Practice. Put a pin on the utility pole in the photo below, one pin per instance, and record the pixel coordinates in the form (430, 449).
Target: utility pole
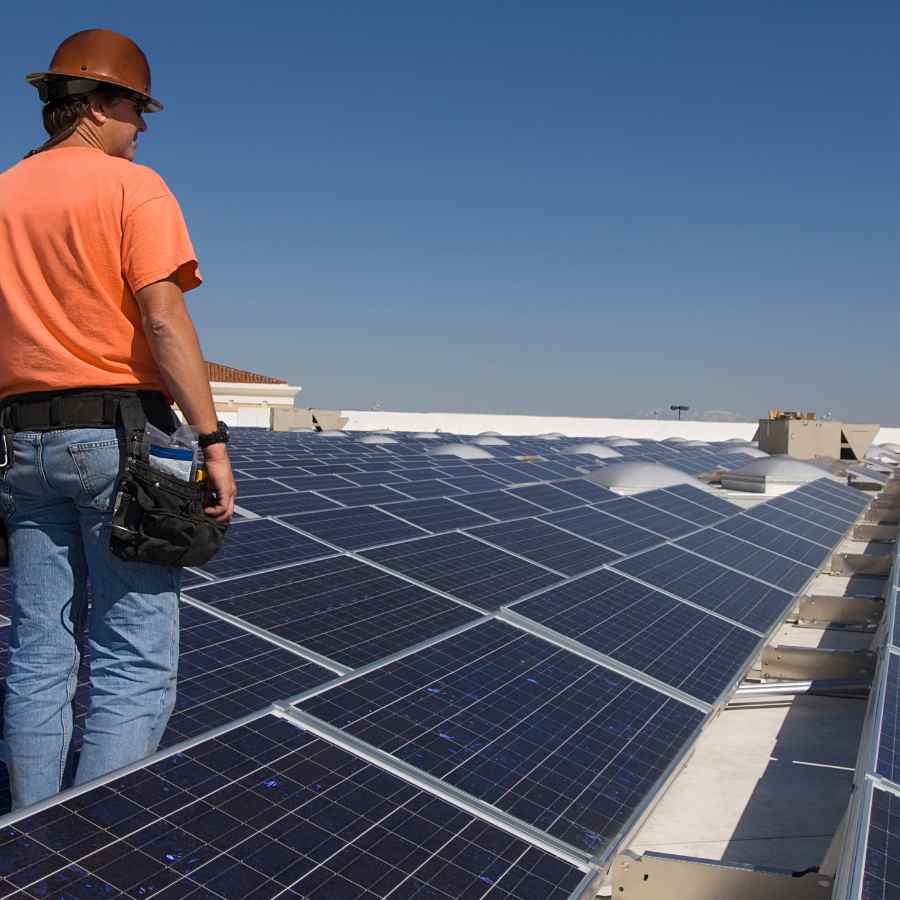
(679, 408)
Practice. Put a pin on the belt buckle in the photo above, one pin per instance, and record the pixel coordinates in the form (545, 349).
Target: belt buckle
(6, 453)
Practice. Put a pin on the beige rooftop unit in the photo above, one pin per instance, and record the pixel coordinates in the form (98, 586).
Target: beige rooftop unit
(809, 438)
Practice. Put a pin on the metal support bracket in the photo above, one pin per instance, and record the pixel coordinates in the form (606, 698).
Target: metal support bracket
(869, 531)
(662, 876)
(860, 564)
(828, 609)
(814, 663)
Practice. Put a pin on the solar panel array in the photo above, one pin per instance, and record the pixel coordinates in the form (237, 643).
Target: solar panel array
(417, 675)
(871, 860)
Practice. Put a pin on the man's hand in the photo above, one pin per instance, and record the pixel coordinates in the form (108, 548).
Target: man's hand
(221, 483)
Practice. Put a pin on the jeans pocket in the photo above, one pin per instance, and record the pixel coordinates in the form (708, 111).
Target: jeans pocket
(97, 465)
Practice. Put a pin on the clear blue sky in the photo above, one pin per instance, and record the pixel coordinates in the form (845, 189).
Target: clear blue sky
(554, 207)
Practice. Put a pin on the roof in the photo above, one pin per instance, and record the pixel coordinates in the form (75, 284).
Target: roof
(218, 372)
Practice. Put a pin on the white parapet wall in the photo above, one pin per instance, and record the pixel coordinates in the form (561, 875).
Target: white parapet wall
(475, 423)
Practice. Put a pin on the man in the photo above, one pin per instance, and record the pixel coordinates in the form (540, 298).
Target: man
(94, 257)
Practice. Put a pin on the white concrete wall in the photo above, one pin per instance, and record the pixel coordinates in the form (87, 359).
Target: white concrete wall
(474, 423)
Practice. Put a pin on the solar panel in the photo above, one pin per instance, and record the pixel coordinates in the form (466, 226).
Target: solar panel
(816, 501)
(547, 545)
(472, 483)
(428, 488)
(465, 568)
(254, 487)
(678, 506)
(437, 515)
(839, 494)
(355, 528)
(329, 468)
(750, 559)
(546, 495)
(709, 585)
(597, 526)
(501, 505)
(704, 498)
(881, 872)
(775, 539)
(285, 504)
(366, 478)
(341, 608)
(257, 544)
(562, 743)
(837, 520)
(268, 809)
(364, 496)
(314, 482)
(637, 625)
(889, 735)
(586, 490)
(503, 472)
(781, 518)
(649, 517)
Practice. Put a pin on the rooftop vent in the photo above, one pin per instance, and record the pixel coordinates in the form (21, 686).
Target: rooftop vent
(598, 451)
(622, 442)
(694, 444)
(890, 446)
(748, 450)
(489, 434)
(378, 438)
(774, 475)
(488, 440)
(428, 436)
(550, 436)
(674, 440)
(641, 476)
(463, 451)
(333, 433)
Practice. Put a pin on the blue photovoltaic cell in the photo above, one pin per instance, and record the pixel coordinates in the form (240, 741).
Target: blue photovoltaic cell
(889, 736)
(839, 494)
(709, 585)
(774, 539)
(364, 496)
(637, 513)
(355, 528)
(678, 506)
(827, 503)
(465, 568)
(704, 498)
(257, 544)
(346, 610)
(595, 525)
(546, 545)
(429, 488)
(546, 495)
(471, 483)
(329, 468)
(437, 515)
(586, 490)
(503, 472)
(562, 743)
(781, 518)
(314, 482)
(835, 520)
(285, 504)
(881, 872)
(501, 505)
(531, 471)
(750, 559)
(270, 810)
(367, 478)
(641, 627)
(254, 487)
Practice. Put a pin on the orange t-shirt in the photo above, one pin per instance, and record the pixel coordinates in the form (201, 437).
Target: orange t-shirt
(80, 233)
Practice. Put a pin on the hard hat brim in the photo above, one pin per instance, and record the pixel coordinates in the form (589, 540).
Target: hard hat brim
(151, 104)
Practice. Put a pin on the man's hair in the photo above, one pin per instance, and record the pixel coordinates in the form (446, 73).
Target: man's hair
(65, 112)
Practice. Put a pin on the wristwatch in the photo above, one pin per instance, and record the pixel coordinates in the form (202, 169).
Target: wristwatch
(219, 436)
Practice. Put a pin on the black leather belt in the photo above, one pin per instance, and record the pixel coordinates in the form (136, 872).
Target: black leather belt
(80, 408)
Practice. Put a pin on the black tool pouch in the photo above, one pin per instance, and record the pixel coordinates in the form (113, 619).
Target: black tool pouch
(157, 518)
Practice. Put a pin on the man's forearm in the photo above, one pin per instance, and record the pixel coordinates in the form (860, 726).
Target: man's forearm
(176, 349)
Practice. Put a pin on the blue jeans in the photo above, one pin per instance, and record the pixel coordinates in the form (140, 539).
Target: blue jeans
(56, 500)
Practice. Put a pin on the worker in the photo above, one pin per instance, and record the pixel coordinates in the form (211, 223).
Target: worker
(94, 259)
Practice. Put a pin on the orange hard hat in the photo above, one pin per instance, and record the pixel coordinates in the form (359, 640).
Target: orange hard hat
(96, 55)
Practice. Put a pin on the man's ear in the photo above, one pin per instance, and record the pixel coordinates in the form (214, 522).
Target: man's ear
(96, 110)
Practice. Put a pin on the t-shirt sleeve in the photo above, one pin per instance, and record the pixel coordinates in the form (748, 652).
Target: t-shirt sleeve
(156, 243)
